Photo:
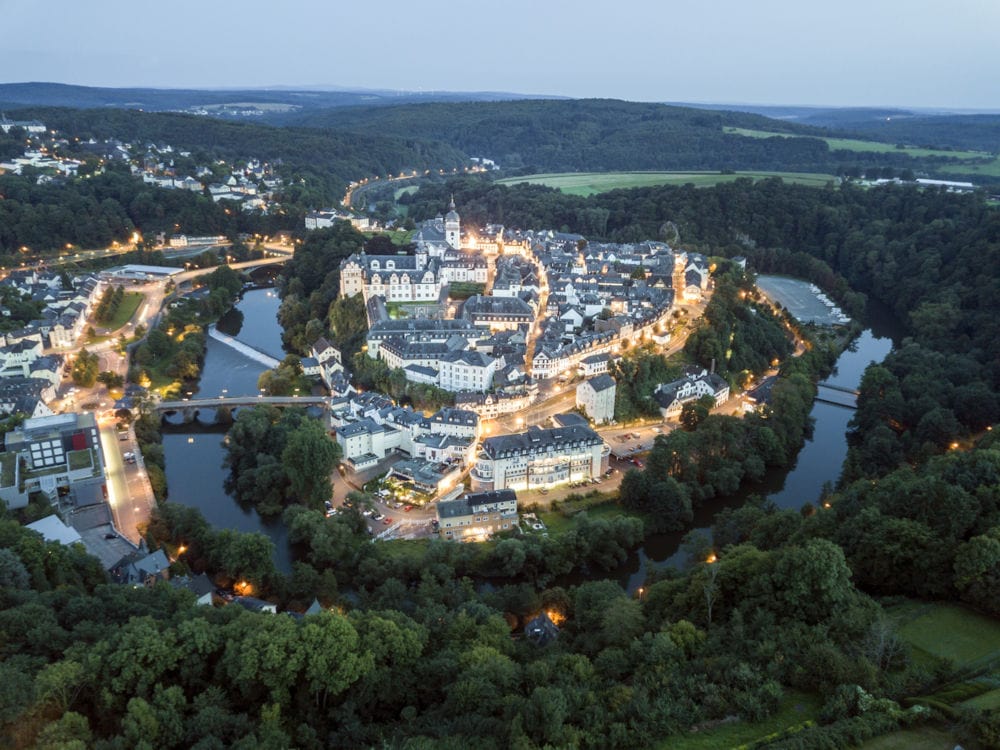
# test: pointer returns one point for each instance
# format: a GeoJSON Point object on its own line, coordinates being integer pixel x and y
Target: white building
{"type": "Point", "coordinates": [597, 398]}
{"type": "Point", "coordinates": [466, 371]}
{"type": "Point", "coordinates": [540, 458]}
{"type": "Point", "coordinates": [672, 396]}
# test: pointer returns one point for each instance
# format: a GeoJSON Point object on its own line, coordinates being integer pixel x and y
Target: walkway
{"type": "Point", "coordinates": [248, 351]}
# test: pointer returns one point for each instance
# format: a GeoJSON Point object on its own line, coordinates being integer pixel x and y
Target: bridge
{"type": "Point", "coordinates": [837, 395]}
{"type": "Point", "coordinates": [190, 407]}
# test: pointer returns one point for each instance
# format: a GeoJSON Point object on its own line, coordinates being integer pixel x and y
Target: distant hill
{"type": "Point", "coordinates": [608, 135]}
{"type": "Point", "coordinates": [326, 160]}
{"type": "Point", "coordinates": [269, 103]}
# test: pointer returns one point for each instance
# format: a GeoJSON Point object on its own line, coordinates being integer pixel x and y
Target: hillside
{"type": "Point", "coordinates": [609, 135]}
{"type": "Point", "coordinates": [269, 102]}
{"type": "Point", "coordinates": [331, 159]}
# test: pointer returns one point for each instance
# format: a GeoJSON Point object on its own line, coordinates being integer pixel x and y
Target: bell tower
{"type": "Point", "coordinates": [453, 226]}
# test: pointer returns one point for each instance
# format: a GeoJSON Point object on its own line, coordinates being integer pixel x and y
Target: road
{"type": "Point", "coordinates": [129, 492]}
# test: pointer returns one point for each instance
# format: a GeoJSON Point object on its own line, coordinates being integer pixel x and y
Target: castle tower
{"type": "Point", "coordinates": [453, 227]}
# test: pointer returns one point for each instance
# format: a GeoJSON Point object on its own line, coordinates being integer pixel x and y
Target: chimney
{"type": "Point", "coordinates": [712, 371]}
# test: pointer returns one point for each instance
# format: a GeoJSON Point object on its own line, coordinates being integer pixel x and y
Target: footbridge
{"type": "Point", "coordinates": [245, 349]}
{"type": "Point", "coordinates": [837, 395]}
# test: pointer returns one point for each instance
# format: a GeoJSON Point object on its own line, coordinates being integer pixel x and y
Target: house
{"type": "Point", "coordinates": [672, 396]}
{"type": "Point", "coordinates": [541, 630]}
{"type": "Point", "coordinates": [477, 516]}
{"type": "Point", "coordinates": [200, 585]}
{"type": "Point", "coordinates": [597, 398]}
{"type": "Point", "coordinates": [140, 569]}
{"type": "Point", "coordinates": [595, 364]}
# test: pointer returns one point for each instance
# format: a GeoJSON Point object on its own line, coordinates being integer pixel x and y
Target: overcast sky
{"type": "Point", "coordinates": [849, 52]}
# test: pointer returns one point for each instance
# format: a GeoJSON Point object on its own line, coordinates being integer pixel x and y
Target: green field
{"type": "Point", "coordinates": [922, 738]}
{"type": "Point", "coordinates": [399, 192]}
{"type": "Point", "coordinates": [987, 169]}
{"type": "Point", "coordinates": [588, 183]}
{"type": "Point", "coordinates": [130, 303]}
{"type": "Point", "coordinates": [796, 707]}
{"type": "Point", "coordinates": [948, 631]}
{"type": "Point", "coordinates": [988, 701]}
{"type": "Point", "coordinates": [852, 144]}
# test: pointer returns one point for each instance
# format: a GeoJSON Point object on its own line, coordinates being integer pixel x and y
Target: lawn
{"type": "Point", "coordinates": [130, 303]}
{"type": "Point", "coordinates": [853, 144]}
{"type": "Point", "coordinates": [588, 183]}
{"type": "Point", "coordinates": [564, 519]}
{"type": "Point", "coordinates": [399, 192]}
{"type": "Point", "coordinates": [947, 631]}
{"type": "Point", "coordinates": [922, 738]}
{"type": "Point", "coordinates": [986, 702]}
{"type": "Point", "coordinates": [796, 707]}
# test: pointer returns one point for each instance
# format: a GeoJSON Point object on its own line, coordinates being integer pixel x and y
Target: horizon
{"type": "Point", "coordinates": [338, 88]}
{"type": "Point", "coordinates": [775, 53]}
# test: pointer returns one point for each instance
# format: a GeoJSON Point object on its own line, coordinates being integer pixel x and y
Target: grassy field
{"type": "Point", "coordinates": [564, 519]}
{"type": "Point", "coordinates": [852, 144]}
{"type": "Point", "coordinates": [989, 701]}
{"type": "Point", "coordinates": [922, 738]}
{"type": "Point", "coordinates": [130, 303]}
{"type": "Point", "coordinates": [947, 631]}
{"type": "Point", "coordinates": [988, 169]}
{"type": "Point", "coordinates": [796, 707]}
{"type": "Point", "coordinates": [404, 191]}
{"type": "Point", "coordinates": [588, 183]}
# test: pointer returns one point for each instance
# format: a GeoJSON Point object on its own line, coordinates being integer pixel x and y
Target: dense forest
{"type": "Point", "coordinates": [608, 135]}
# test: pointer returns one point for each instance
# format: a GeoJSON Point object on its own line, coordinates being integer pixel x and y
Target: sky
{"type": "Point", "coordinates": [846, 53]}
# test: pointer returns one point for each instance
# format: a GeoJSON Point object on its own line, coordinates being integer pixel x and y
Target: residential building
{"type": "Point", "coordinates": [466, 371]}
{"type": "Point", "coordinates": [597, 398]}
{"type": "Point", "coordinates": [477, 516]}
{"type": "Point", "coordinates": [672, 396]}
{"type": "Point", "coordinates": [540, 458]}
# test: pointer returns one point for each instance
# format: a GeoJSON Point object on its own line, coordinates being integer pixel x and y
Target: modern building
{"type": "Point", "coordinates": [597, 398]}
{"type": "Point", "coordinates": [55, 455]}
{"type": "Point", "coordinates": [477, 516]}
{"type": "Point", "coordinates": [540, 458]}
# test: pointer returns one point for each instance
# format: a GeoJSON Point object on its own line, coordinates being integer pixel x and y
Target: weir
{"type": "Point", "coordinates": [247, 351]}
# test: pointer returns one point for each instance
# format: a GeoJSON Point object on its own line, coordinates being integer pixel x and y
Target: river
{"type": "Point", "coordinates": [194, 453]}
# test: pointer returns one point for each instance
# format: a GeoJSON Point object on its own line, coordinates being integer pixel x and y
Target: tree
{"type": "Point", "coordinates": [309, 457]}
{"type": "Point", "coordinates": [85, 369]}
{"type": "Point", "coordinates": [693, 413]}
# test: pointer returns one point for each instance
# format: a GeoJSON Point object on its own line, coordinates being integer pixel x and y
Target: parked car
{"type": "Point", "coordinates": [387, 521]}
{"type": "Point", "coordinates": [407, 508]}
{"type": "Point", "coordinates": [129, 457]}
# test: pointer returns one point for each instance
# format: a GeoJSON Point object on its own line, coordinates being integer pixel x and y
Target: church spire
{"type": "Point", "coordinates": [451, 205]}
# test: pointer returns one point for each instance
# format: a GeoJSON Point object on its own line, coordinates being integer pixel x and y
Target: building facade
{"type": "Point", "coordinates": [540, 458]}
{"type": "Point", "coordinates": [477, 516]}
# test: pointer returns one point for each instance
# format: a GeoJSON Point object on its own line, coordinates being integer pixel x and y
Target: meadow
{"type": "Point", "coordinates": [589, 183]}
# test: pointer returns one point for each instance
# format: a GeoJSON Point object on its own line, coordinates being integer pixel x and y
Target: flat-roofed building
{"type": "Point", "coordinates": [477, 516]}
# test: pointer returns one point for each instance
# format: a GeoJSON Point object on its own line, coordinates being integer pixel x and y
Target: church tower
{"type": "Point", "coordinates": [679, 282]}
{"type": "Point", "coordinates": [453, 227]}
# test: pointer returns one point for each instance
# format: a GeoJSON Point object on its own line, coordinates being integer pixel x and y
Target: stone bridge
{"type": "Point", "coordinates": [189, 407]}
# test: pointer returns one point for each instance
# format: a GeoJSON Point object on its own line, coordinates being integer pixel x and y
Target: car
{"type": "Point", "coordinates": [407, 508]}
{"type": "Point", "coordinates": [544, 490]}
{"type": "Point", "coordinates": [110, 535]}
{"type": "Point", "coordinates": [638, 463]}
{"type": "Point", "coordinates": [376, 516]}
{"type": "Point", "coordinates": [123, 436]}
{"type": "Point", "coordinates": [609, 472]}
{"type": "Point", "coordinates": [328, 505]}
{"type": "Point", "coordinates": [657, 429]}
{"type": "Point", "coordinates": [387, 521]}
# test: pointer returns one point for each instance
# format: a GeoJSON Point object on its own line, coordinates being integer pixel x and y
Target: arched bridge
{"type": "Point", "coordinates": [189, 407]}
